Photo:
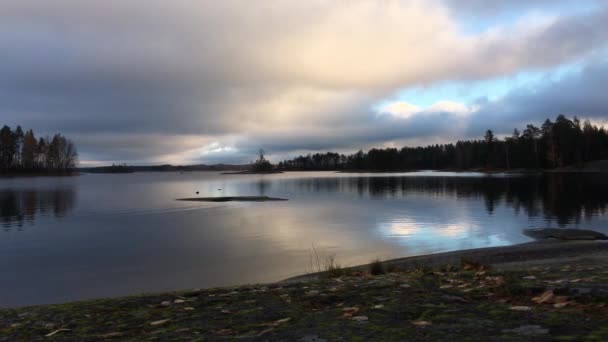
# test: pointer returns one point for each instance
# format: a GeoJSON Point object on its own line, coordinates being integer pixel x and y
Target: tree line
{"type": "Point", "coordinates": [21, 151]}
{"type": "Point", "coordinates": [563, 142]}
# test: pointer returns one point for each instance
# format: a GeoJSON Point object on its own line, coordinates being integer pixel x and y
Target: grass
{"type": "Point", "coordinates": [331, 268]}
{"type": "Point", "coordinates": [328, 266]}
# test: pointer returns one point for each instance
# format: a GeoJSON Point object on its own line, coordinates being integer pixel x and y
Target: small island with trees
{"type": "Point", "coordinates": [114, 168]}
{"type": "Point", "coordinates": [22, 153]}
{"type": "Point", "coordinates": [260, 166]}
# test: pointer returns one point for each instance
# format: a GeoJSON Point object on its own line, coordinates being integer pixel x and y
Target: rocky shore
{"type": "Point", "coordinates": [543, 292]}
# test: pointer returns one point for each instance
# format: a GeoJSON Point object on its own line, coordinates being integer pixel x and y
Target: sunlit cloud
{"type": "Point", "coordinates": [404, 110]}
{"type": "Point", "coordinates": [216, 147]}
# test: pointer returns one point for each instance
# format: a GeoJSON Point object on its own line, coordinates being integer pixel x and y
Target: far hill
{"type": "Point", "coordinates": [163, 168]}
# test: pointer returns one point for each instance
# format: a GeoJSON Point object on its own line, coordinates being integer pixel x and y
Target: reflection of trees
{"type": "Point", "coordinates": [565, 198]}
{"type": "Point", "coordinates": [20, 206]}
{"type": "Point", "coordinates": [262, 185]}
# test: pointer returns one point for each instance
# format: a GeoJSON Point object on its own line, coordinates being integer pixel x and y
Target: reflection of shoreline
{"type": "Point", "coordinates": [564, 198]}
{"type": "Point", "coordinates": [39, 174]}
{"type": "Point", "coordinates": [20, 206]}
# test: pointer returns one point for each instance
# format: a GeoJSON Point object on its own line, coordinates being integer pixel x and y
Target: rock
{"type": "Point", "coordinates": [233, 198]}
{"type": "Point", "coordinates": [564, 234]}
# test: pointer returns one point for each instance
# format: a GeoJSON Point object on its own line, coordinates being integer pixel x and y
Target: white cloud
{"type": "Point", "coordinates": [405, 110]}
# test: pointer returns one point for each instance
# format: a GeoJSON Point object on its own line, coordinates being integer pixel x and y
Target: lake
{"type": "Point", "coordinates": [99, 235]}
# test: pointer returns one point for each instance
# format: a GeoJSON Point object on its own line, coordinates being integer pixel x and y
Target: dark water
{"type": "Point", "coordinates": [92, 236]}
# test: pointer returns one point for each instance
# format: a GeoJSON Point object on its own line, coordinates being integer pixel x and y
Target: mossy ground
{"type": "Point", "coordinates": [455, 304]}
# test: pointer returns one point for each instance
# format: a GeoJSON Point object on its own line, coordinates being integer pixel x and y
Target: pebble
{"type": "Point", "coordinates": [520, 308]}
{"type": "Point", "coordinates": [159, 322]}
{"type": "Point", "coordinates": [528, 330]}
{"type": "Point", "coordinates": [312, 338]}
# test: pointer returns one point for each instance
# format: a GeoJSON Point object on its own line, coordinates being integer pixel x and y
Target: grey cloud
{"type": "Point", "coordinates": [580, 94]}
{"type": "Point", "coordinates": [136, 80]}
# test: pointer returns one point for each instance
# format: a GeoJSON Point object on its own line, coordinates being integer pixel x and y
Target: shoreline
{"type": "Point", "coordinates": [540, 290]}
{"type": "Point", "coordinates": [544, 251]}
{"type": "Point", "coordinates": [534, 252]}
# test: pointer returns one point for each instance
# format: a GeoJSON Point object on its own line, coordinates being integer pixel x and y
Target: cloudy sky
{"type": "Point", "coordinates": [192, 81]}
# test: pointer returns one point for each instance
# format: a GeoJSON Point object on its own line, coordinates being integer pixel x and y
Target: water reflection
{"type": "Point", "coordinates": [18, 207]}
{"type": "Point", "coordinates": [263, 185]}
{"type": "Point", "coordinates": [560, 198]}
{"type": "Point", "coordinates": [126, 234]}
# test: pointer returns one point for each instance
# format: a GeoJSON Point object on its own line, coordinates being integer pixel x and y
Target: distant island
{"type": "Point", "coordinates": [22, 153]}
{"type": "Point", "coordinates": [124, 168]}
{"type": "Point", "coordinates": [260, 166]}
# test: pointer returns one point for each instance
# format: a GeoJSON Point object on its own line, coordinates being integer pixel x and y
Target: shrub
{"type": "Point", "coordinates": [376, 267]}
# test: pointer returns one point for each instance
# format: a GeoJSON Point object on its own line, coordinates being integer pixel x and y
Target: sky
{"type": "Point", "coordinates": [196, 81]}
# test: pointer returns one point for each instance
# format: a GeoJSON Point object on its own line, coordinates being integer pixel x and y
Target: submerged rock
{"type": "Point", "coordinates": [233, 199]}
{"type": "Point", "coordinates": [564, 234]}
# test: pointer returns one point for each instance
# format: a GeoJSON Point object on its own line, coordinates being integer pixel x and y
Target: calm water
{"type": "Point", "coordinates": [92, 236]}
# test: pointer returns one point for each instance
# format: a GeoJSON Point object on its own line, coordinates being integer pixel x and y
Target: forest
{"type": "Point", "coordinates": [563, 142]}
{"type": "Point", "coordinates": [22, 152]}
